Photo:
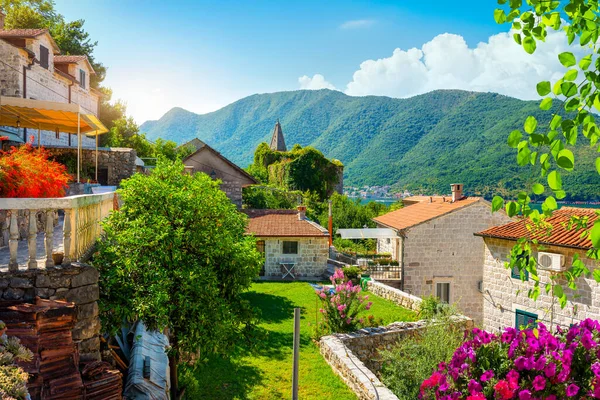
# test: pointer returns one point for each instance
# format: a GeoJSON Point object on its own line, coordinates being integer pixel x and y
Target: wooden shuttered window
{"type": "Point", "coordinates": [82, 78]}
{"type": "Point", "coordinates": [44, 56]}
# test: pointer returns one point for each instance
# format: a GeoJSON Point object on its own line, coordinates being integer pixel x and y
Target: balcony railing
{"type": "Point", "coordinates": [71, 225]}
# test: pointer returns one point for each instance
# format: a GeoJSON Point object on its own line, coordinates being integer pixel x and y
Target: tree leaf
{"type": "Point", "coordinates": [568, 89]}
{"type": "Point", "coordinates": [571, 75]}
{"type": "Point", "coordinates": [530, 124]}
{"type": "Point", "coordinates": [595, 235]}
{"type": "Point", "coordinates": [529, 44]}
{"type": "Point", "coordinates": [554, 180]}
{"type": "Point", "coordinates": [514, 138]}
{"type": "Point", "coordinates": [538, 188]}
{"type": "Point", "coordinates": [598, 164]}
{"type": "Point", "coordinates": [550, 203]}
{"type": "Point", "coordinates": [499, 16]}
{"type": "Point", "coordinates": [567, 59]}
{"type": "Point", "coordinates": [596, 275]}
{"type": "Point", "coordinates": [543, 88]}
{"type": "Point", "coordinates": [546, 104]}
{"type": "Point", "coordinates": [585, 62]}
{"type": "Point", "coordinates": [565, 159]}
{"type": "Point", "coordinates": [524, 156]}
{"type": "Point", "coordinates": [558, 291]}
{"type": "Point", "coordinates": [511, 208]}
{"type": "Point", "coordinates": [497, 203]}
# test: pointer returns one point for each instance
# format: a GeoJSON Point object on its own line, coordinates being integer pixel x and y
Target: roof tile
{"type": "Point", "coordinates": [558, 236]}
{"type": "Point", "coordinates": [281, 223]}
{"type": "Point", "coordinates": [423, 211]}
{"type": "Point", "coordinates": [21, 33]}
{"type": "Point", "coordinates": [68, 59]}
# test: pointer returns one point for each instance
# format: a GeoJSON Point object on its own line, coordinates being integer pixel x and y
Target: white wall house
{"type": "Point", "coordinates": [436, 249]}
{"type": "Point", "coordinates": [506, 302]}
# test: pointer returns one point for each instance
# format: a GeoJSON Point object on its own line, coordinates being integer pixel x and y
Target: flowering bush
{"type": "Point", "coordinates": [341, 306]}
{"type": "Point", "coordinates": [27, 172]}
{"type": "Point", "coordinates": [526, 365]}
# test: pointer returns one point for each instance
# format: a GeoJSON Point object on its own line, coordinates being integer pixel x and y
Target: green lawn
{"type": "Point", "coordinates": [266, 372]}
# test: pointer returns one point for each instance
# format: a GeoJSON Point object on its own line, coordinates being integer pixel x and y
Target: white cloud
{"type": "Point", "coordinates": [315, 83]}
{"type": "Point", "coordinates": [446, 62]}
{"type": "Point", "coordinates": [357, 23]}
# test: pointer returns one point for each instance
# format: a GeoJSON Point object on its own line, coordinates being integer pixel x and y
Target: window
{"type": "Point", "coordinates": [260, 246]}
{"type": "Point", "coordinates": [442, 291]}
{"type": "Point", "coordinates": [524, 319]}
{"type": "Point", "coordinates": [514, 273]}
{"type": "Point", "coordinates": [82, 78]}
{"type": "Point", "coordinates": [290, 247]}
{"type": "Point", "coordinates": [43, 57]}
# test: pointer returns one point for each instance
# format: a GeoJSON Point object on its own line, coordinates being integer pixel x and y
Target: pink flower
{"type": "Point", "coordinates": [539, 383]}
{"type": "Point", "coordinates": [487, 375]}
{"type": "Point", "coordinates": [341, 307]}
{"type": "Point", "coordinates": [368, 306]}
{"type": "Point", "coordinates": [572, 390]}
{"type": "Point", "coordinates": [349, 321]}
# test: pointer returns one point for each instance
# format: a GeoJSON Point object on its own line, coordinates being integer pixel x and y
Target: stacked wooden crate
{"type": "Point", "coordinates": [101, 382]}
{"type": "Point", "coordinates": [45, 328]}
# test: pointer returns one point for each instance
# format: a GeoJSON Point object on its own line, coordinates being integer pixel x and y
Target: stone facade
{"type": "Point", "coordinates": [212, 163]}
{"type": "Point", "coordinates": [311, 260]}
{"type": "Point", "coordinates": [45, 84]}
{"type": "Point", "coordinates": [444, 250]}
{"type": "Point", "coordinates": [504, 295]}
{"type": "Point", "coordinates": [77, 283]}
{"type": "Point", "coordinates": [114, 164]}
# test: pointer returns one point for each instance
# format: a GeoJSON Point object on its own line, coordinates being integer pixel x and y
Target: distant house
{"type": "Point", "coordinates": [293, 246]}
{"type": "Point", "coordinates": [32, 67]}
{"type": "Point", "coordinates": [505, 296]}
{"type": "Point", "coordinates": [436, 249]}
{"type": "Point", "coordinates": [214, 164]}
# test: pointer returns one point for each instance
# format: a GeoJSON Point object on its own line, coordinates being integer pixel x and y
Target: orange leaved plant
{"type": "Point", "coordinates": [27, 172]}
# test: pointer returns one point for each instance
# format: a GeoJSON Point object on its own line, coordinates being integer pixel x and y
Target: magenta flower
{"type": "Point", "coordinates": [539, 383]}
{"type": "Point", "coordinates": [572, 390]}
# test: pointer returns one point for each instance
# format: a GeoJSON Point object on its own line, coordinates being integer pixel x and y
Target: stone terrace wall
{"type": "Point", "coordinates": [77, 283]}
{"type": "Point", "coordinates": [395, 295]}
{"type": "Point", "coordinates": [355, 356]}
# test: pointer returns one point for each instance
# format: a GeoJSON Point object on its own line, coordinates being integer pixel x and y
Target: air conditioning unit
{"type": "Point", "coordinates": [551, 261]}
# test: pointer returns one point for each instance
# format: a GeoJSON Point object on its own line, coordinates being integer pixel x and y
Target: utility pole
{"type": "Point", "coordinates": [330, 224]}
{"type": "Point", "coordinates": [296, 353]}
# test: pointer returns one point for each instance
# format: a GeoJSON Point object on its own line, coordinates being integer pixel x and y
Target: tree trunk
{"type": "Point", "coordinates": [174, 380]}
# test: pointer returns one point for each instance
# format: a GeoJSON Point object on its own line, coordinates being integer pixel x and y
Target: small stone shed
{"type": "Point", "coordinates": [214, 164]}
{"type": "Point", "coordinates": [505, 295]}
{"type": "Point", "coordinates": [288, 237]}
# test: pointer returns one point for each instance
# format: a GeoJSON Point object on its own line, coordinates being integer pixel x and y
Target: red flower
{"type": "Point", "coordinates": [503, 389]}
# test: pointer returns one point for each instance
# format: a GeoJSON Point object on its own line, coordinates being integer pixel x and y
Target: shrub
{"type": "Point", "coordinates": [414, 358]}
{"type": "Point", "coordinates": [526, 364]}
{"type": "Point", "coordinates": [341, 306]}
{"type": "Point", "coordinates": [432, 307]}
{"type": "Point", "coordinates": [13, 380]}
{"type": "Point", "coordinates": [352, 273]}
{"type": "Point", "coordinates": [26, 171]}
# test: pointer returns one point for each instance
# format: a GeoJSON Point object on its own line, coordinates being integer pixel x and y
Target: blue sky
{"type": "Point", "coordinates": [202, 55]}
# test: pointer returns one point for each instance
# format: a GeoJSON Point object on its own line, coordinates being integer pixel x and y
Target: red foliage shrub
{"type": "Point", "coordinates": [27, 172]}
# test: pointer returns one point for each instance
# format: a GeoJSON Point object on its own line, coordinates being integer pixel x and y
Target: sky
{"type": "Point", "coordinates": [203, 55]}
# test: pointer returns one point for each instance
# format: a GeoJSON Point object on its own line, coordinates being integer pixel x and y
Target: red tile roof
{"type": "Point", "coordinates": [21, 33]}
{"type": "Point", "coordinates": [420, 212]}
{"type": "Point", "coordinates": [68, 59]}
{"type": "Point", "coordinates": [558, 236]}
{"type": "Point", "coordinates": [281, 223]}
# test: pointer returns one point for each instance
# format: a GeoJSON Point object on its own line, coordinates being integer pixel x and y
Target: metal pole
{"type": "Point", "coordinates": [330, 224]}
{"type": "Point", "coordinates": [296, 353]}
{"type": "Point", "coordinates": [78, 144]}
{"type": "Point", "coordinates": [96, 156]}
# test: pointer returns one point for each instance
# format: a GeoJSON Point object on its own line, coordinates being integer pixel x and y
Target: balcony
{"type": "Point", "coordinates": [68, 225]}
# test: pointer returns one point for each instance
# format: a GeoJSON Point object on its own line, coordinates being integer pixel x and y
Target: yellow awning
{"type": "Point", "coordinates": [48, 116]}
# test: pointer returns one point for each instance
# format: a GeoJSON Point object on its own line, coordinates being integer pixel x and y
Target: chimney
{"type": "Point", "coordinates": [2, 17]}
{"type": "Point", "coordinates": [301, 212]}
{"type": "Point", "coordinates": [457, 191]}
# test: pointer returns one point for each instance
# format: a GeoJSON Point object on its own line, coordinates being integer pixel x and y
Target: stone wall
{"type": "Point", "coordinates": [445, 250]}
{"type": "Point", "coordinates": [503, 295]}
{"type": "Point", "coordinates": [77, 283]}
{"type": "Point", "coordinates": [355, 356]}
{"type": "Point", "coordinates": [397, 296]}
{"type": "Point", "coordinates": [118, 163]}
{"type": "Point", "coordinates": [311, 260]}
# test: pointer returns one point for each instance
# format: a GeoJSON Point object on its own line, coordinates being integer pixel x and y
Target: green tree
{"type": "Point", "coordinates": [573, 100]}
{"type": "Point", "coordinates": [176, 256]}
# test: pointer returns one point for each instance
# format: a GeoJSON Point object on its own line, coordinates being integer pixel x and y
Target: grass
{"type": "Point", "coordinates": [266, 372]}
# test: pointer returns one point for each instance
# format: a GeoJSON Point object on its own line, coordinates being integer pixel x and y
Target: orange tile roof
{"type": "Point", "coordinates": [21, 33]}
{"type": "Point", "coordinates": [68, 59]}
{"type": "Point", "coordinates": [418, 213]}
{"type": "Point", "coordinates": [558, 236]}
{"type": "Point", "coordinates": [281, 223]}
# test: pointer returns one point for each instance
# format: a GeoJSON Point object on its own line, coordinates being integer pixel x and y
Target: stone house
{"type": "Point", "coordinates": [214, 164]}
{"type": "Point", "coordinates": [436, 249]}
{"type": "Point", "coordinates": [288, 237]}
{"type": "Point", "coordinates": [506, 302]}
{"type": "Point", "coordinates": [32, 67]}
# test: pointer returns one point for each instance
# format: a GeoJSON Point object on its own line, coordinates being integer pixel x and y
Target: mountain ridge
{"type": "Point", "coordinates": [422, 143]}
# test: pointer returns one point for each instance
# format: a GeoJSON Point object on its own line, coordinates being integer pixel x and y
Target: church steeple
{"type": "Point", "coordinates": [277, 141]}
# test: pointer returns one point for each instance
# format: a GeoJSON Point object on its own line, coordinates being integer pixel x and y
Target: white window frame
{"type": "Point", "coordinates": [443, 282]}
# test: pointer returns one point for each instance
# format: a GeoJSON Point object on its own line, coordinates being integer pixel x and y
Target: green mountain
{"type": "Point", "coordinates": [422, 143]}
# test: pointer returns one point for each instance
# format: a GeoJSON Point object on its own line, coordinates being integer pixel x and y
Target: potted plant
{"type": "Point", "coordinates": [57, 257]}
